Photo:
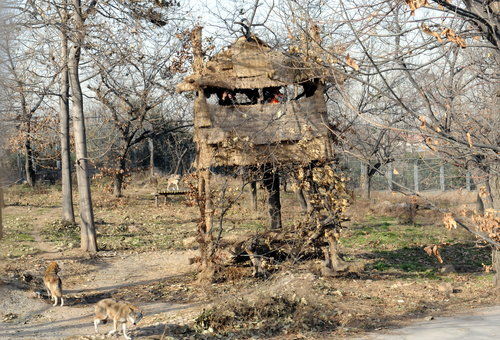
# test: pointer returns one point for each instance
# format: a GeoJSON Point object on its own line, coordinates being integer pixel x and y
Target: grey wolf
{"type": "Point", "coordinates": [119, 312]}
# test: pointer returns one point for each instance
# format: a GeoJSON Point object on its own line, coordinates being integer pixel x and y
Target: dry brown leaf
{"type": "Point", "coordinates": [351, 63]}
{"type": "Point", "coordinates": [415, 4]}
{"type": "Point", "coordinates": [429, 141]}
{"type": "Point", "coordinates": [469, 139]}
{"type": "Point", "coordinates": [433, 250]}
{"type": "Point", "coordinates": [483, 193]}
{"type": "Point", "coordinates": [423, 122]}
{"type": "Point", "coordinates": [449, 222]}
{"type": "Point", "coordinates": [452, 36]}
{"type": "Point", "coordinates": [487, 268]}
{"type": "Point", "coordinates": [428, 31]}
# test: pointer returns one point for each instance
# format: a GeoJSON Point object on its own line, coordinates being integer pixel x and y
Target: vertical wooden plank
{"type": "Point", "coordinates": [208, 202]}
{"type": "Point", "coordinates": [196, 39]}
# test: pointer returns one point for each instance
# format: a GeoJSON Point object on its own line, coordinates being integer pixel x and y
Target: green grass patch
{"type": "Point", "coordinates": [18, 240]}
{"type": "Point", "coordinates": [385, 233]}
{"type": "Point", "coordinates": [62, 233]}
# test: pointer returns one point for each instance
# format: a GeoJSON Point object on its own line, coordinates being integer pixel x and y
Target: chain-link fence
{"type": "Point", "coordinates": [420, 174]}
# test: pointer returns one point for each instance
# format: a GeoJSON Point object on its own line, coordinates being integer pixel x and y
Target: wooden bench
{"type": "Point", "coordinates": [157, 195]}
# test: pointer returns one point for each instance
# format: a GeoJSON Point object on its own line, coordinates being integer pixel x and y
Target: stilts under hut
{"type": "Point", "coordinates": [255, 108]}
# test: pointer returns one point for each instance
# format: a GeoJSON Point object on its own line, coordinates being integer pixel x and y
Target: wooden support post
{"type": "Point", "coordinates": [209, 213]}
{"type": "Point", "coordinates": [442, 183]}
{"type": "Point", "coordinates": [415, 176]}
{"type": "Point", "coordinates": [253, 187]}
{"type": "Point", "coordinates": [201, 115]}
{"type": "Point", "coordinates": [304, 203]}
{"type": "Point", "coordinates": [271, 182]}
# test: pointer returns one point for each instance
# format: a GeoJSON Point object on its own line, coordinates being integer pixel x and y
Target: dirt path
{"type": "Point", "coordinates": [35, 318]}
{"type": "Point", "coordinates": [86, 280]}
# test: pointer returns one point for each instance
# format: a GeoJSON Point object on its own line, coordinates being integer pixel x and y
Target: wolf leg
{"type": "Point", "coordinates": [55, 303]}
{"type": "Point", "coordinates": [62, 301]}
{"type": "Point", "coordinates": [124, 327]}
{"type": "Point", "coordinates": [96, 322]}
{"type": "Point", "coordinates": [114, 328]}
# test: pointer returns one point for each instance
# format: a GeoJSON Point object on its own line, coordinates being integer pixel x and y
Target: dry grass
{"type": "Point", "coordinates": [395, 279]}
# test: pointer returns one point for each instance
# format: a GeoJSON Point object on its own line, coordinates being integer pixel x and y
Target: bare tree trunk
{"type": "Point", "coordinates": [488, 199]}
{"type": "Point", "coordinates": [117, 185]}
{"type": "Point", "coordinates": [207, 251]}
{"type": "Point", "coordinates": [365, 181]}
{"type": "Point", "coordinates": [495, 255]}
{"type": "Point", "coordinates": [151, 148]}
{"type": "Point", "coordinates": [88, 240]}
{"type": "Point", "coordinates": [28, 162]}
{"type": "Point", "coordinates": [389, 176]}
{"type": "Point", "coordinates": [271, 181]}
{"type": "Point", "coordinates": [332, 263]}
{"type": "Point", "coordinates": [118, 180]}
{"type": "Point", "coordinates": [1, 208]}
{"type": "Point", "coordinates": [253, 186]}
{"type": "Point", "coordinates": [67, 194]}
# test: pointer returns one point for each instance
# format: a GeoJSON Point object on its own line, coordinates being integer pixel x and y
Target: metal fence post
{"type": "Point", "coordinates": [441, 178]}
{"type": "Point", "coordinates": [415, 176]}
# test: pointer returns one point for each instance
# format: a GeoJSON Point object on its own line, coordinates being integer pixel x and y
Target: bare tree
{"type": "Point", "coordinates": [133, 85]}
{"type": "Point", "coordinates": [64, 119]}
{"type": "Point", "coordinates": [88, 240]}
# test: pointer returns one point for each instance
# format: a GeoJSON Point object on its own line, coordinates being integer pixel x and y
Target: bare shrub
{"type": "Point", "coordinates": [267, 314]}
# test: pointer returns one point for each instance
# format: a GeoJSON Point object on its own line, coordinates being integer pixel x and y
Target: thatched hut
{"type": "Point", "coordinates": [255, 106]}
{"type": "Point", "coordinates": [261, 110]}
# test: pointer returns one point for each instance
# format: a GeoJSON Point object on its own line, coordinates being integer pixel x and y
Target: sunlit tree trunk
{"type": "Point", "coordinates": [88, 240]}
{"type": "Point", "coordinates": [119, 176]}
{"type": "Point", "coordinates": [67, 195]}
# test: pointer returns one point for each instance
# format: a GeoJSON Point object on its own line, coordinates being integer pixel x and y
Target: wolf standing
{"type": "Point", "coordinates": [119, 312]}
{"type": "Point", "coordinates": [53, 282]}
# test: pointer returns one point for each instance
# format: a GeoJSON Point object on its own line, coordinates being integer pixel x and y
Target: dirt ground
{"type": "Point", "coordinates": [146, 260]}
{"type": "Point", "coordinates": [87, 280]}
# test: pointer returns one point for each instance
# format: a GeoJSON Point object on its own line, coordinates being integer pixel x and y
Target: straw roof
{"type": "Point", "coordinates": [247, 64]}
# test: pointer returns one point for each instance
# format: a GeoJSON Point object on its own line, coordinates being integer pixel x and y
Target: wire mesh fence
{"type": "Point", "coordinates": [420, 174]}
